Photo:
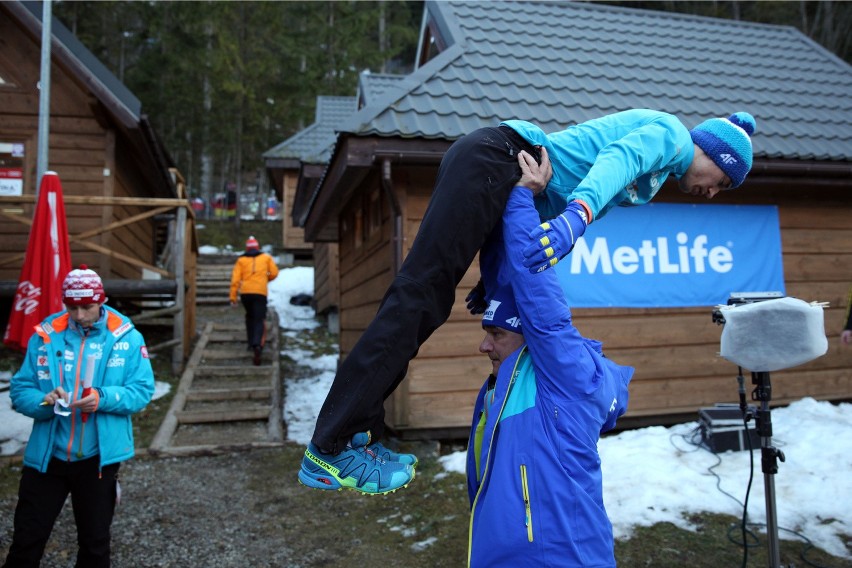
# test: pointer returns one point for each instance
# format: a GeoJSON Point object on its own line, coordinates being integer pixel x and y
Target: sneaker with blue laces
{"type": "Point", "coordinates": [389, 455]}
{"type": "Point", "coordinates": [357, 467]}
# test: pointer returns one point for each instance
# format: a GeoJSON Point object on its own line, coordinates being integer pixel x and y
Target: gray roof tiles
{"type": "Point", "coordinates": [558, 63]}
{"type": "Point", "coordinates": [314, 143]}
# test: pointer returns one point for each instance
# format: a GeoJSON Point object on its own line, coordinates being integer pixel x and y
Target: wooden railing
{"type": "Point", "coordinates": [176, 267]}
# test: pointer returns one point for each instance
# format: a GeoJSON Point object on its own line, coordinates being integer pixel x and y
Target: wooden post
{"type": "Point", "coordinates": [178, 254]}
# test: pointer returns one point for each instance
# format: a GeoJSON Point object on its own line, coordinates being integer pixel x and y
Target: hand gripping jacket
{"type": "Point", "coordinates": [535, 485]}
{"type": "Point", "coordinates": [123, 375]}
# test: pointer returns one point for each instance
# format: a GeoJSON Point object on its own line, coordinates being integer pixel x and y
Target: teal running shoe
{"type": "Point", "coordinates": [389, 455]}
{"type": "Point", "coordinates": [357, 467]}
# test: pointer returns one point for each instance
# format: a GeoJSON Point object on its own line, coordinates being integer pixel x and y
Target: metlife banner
{"type": "Point", "coordinates": [670, 255]}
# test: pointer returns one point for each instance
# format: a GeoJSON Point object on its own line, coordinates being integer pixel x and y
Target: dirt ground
{"type": "Point", "coordinates": [247, 509]}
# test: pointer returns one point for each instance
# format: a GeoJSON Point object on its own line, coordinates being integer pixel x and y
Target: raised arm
{"type": "Point", "coordinates": [558, 350]}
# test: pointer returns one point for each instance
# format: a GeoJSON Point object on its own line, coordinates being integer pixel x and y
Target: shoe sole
{"type": "Point", "coordinates": [331, 482]}
{"type": "Point", "coordinates": [310, 483]}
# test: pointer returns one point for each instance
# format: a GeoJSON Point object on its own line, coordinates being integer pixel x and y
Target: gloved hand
{"type": "Point", "coordinates": [476, 303]}
{"type": "Point", "coordinates": [555, 238]}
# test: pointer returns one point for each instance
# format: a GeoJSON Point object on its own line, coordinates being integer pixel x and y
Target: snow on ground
{"type": "Point", "coordinates": [651, 475]}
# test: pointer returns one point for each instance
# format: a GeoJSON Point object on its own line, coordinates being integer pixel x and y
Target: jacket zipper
{"type": "Point", "coordinates": [527, 507]}
{"type": "Point", "coordinates": [488, 458]}
{"type": "Point", "coordinates": [75, 396]}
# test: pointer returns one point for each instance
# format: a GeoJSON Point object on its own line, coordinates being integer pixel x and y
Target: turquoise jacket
{"type": "Point", "coordinates": [533, 470]}
{"type": "Point", "coordinates": [619, 159]}
{"type": "Point", "coordinates": [56, 355]}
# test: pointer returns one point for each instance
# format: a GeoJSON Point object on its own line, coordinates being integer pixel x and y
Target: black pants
{"type": "Point", "coordinates": [255, 305]}
{"type": "Point", "coordinates": [40, 500]}
{"type": "Point", "coordinates": [472, 188]}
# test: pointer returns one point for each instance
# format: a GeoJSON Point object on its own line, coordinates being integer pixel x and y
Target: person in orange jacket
{"type": "Point", "coordinates": [251, 276]}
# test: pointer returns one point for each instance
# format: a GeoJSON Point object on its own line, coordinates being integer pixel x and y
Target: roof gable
{"type": "Point", "coordinates": [106, 86]}
{"type": "Point", "coordinates": [586, 60]}
{"type": "Point", "coordinates": [122, 107]}
{"type": "Point", "coordinates": [314, 143]}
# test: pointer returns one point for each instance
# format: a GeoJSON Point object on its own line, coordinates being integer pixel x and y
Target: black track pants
{"type": "Point", "coordinates": [473, 185]}
{"type": "Point", "coordinates": [40, 500]}
{"type": "Point", "coordinates": [255, 305]}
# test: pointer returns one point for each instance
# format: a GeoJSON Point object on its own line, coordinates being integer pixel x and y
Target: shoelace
{"type": "Point", "coordinates": [375, 456]}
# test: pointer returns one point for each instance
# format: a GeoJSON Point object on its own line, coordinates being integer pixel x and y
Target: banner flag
{"type": "Point", "coordinates": [665, 255]}
{"type": "Point", "coordinates": [47, 262]}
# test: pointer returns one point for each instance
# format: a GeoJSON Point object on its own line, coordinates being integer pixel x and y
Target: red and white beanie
{"type": "Point", "coordinates": [252, 244]}
{"type": "Point", "coordinates": [83, 286]}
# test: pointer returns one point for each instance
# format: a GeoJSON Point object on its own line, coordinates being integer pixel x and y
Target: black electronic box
{"type": "Point", "coordinates": [722, 429]}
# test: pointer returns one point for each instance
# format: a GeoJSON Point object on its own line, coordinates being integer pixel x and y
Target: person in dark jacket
{"type": "Point", "coordinates": [622, 159]}
{"type": "Point", "coordinates": [86, 371]}
{"type": "Point", "coordinates": [533, 469]}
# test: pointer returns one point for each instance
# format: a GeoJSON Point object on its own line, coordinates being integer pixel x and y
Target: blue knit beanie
{"type": "Point", "coordinates": [502, 311]}
{"type": "Point", "coordinates": [727, 142]}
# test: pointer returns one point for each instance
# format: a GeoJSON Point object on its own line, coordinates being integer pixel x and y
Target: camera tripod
{"type": "Point", "coordinates": [769, 456]}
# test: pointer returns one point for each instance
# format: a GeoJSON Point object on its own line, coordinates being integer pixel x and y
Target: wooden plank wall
{"type": "Point", "coordinates": [326, 276]}
{"type": "Point", "coordinates": [674, 351]}
{"type": "Point", "coordinates": [82, 152]}
{"type": "Point", "coordinates": [294, 236]}
{"type": "Point", "coordinates": [365, 263]}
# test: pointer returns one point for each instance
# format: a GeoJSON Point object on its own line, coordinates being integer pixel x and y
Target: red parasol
{"type": "Point", "coordinates": [47, 262]}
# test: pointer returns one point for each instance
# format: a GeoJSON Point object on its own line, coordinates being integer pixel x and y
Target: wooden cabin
{"type": "Point", "coordinates": [127, 211]}
{"type": "Point", "coordinates": [285, 160]}
{"type": "Point", "coordinates": [477, 66]}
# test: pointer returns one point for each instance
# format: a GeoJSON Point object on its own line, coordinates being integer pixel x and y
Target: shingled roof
{"type": "Point", "coordinates": [559, 63]}
{"type": "Point", "coordinates": [314, 143]}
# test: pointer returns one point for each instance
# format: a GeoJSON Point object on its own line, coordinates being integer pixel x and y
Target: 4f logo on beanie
{"type": "Point", "coordinates": [728, 159]}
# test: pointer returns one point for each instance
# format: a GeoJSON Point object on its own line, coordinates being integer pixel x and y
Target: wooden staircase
{"type": "Point", "coordinates": [213, 279]}
{"type": "Point", "coordinates": [224, 402]}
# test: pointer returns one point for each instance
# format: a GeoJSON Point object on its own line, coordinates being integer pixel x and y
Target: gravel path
{"type": "Point", "coordinates": [246, 509]}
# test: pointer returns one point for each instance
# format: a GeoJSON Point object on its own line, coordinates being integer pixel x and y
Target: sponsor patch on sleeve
{"type": "Point", "coordinates": [144, 351]}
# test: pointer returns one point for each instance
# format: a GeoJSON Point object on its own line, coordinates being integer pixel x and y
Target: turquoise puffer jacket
{"type": "Point", "coordinates": [123, 375]}
{"type": "Point", "coordinates": [619, 159]}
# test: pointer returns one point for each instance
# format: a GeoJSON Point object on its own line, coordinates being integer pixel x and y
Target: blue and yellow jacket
{"type": "Point", "coordinates": [533, 469]}
{"type": "Point", "coordinates": [56, 355]}
{"type": "Point", "coordinates": [619, 159]}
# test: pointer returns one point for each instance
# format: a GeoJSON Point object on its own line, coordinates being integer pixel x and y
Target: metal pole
{"type": "Point", "coordinates": [769, 456]}
{"type": "Point", "coordinates": [772, 521]}
{"type": "Point", "coordinates": [44, 95]}
{"type": "Point", "coordinates": [179, 256]}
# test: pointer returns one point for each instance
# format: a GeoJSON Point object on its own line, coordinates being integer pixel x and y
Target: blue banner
{"type": "Point", "coordinates": [665, 255]}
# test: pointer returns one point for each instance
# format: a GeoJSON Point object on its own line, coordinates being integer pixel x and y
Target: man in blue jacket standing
{"type": "Point", "coordinates": [86, 371]}
{"type": "Point", "coordinates": [533, 469]}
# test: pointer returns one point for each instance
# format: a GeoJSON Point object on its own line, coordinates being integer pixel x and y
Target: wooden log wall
{"type": "Point", "coordinates": [85, 151]}
{"type": "Point", "coordinates": [326, 276]}
{"type": "Point", "coordinates": [293, 235]}
{"type": "Point", "coordinates": [674, 351]}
